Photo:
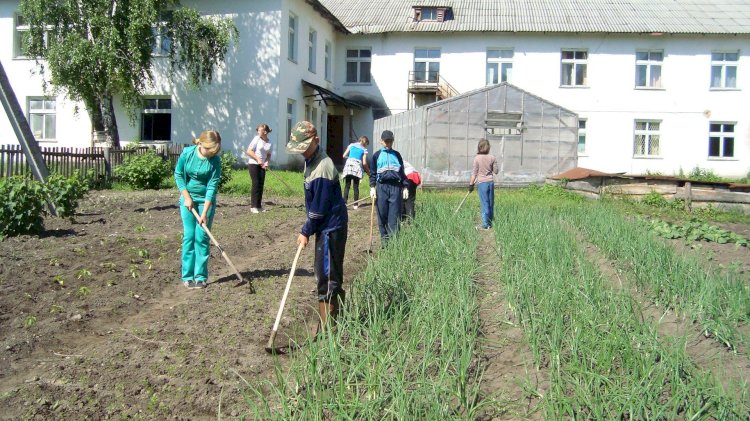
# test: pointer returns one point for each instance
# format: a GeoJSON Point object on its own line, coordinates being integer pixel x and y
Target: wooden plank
{"type": "Point", "coordinates": [705, 195]}
{"type": "Point", "coordinates": [640, 189]}
{"type": "Point", "coordinates": [582, 185]}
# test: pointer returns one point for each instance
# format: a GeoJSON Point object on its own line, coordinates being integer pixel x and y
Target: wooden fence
{"type": "Point", "coordinates": [64, 161]}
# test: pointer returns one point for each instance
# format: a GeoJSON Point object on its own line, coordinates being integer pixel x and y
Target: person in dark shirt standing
{"type": "Point", "coordinates": [326, 218]}
{"type": "Point", "coordinates": [388, 186]}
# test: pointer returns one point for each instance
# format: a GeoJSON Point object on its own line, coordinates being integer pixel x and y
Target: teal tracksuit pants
{"type": "Point", "coordinates": [196, 245]}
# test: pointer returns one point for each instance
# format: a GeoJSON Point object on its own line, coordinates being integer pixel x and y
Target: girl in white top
{"type": "Point", "coordinates": [259, 156]}
{"type": "Point", "coordinates": [356, 159]}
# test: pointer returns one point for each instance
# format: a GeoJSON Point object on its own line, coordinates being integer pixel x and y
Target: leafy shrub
{"type": "Point", "coordinates": [143, 171]}
{"type": "Point", "coordinates": [699, 174]}
{"type": "Point", "coordinates": [655, 199]}
{"type": "Point", "coordinates": [65, 192]}
{"type": "Point", "coordinates": [227, 163]}
{"type": "Point", "coordinates": [22, 206]}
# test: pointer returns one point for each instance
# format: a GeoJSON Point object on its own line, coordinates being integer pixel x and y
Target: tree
{"type": "Point", "coordinates": [96, 50]}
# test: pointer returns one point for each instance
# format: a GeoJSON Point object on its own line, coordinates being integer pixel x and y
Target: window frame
{"type": "Point", "coordinates": [328, 61]}
{"type": "Point", "coordinates": [574, 64]}
{"type": "Point", "coordinates": [291, 115]}
{"type": "Point", "coordinates": [292, 44]}
{"type": "Point", "coordinates": [154, 111]}
{"type": "Point", "coordinates": [359, 62]}
{"type": "Point", "coordinates": [312, 50]}
{"type": "Point", "coordinates": [44, 113]}
{"type": "Point", "coordinates": [722, 136]}
{"type": "Point", "coordinates": [648, 140]}
{"type": "Point", "coordinates": [649, 64]}
{"type": "Point", "coordinates": [500, 61]}
{"type": "Point", "coordinates": [428, 61]}
{"type": "Point", "coordinates": [582, 135]}
{"type": "Point", "coordinates": [160, 47]}
{"type": "Point", "coordinates": [724, 64]}
{"type": "Point", "coordinates": [18, 30]}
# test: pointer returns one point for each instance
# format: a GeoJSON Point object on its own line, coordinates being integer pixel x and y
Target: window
{"type": "Point", "coordinates": [499, 66]}
{"type": "Point", "coordinates": [22, 36]}
{"type": "Point", "coordinates": [307, 113]}
{"type": "Point", "coordinates": [290, 117]}
{"type": "Point", "coordinates": [314, 117]}
{"type": "Point", "coordinates": [581, 135]}
{"type": "Point", "coordinates": [156, 120]}
{"type": "Point", "coordinates": [648, 68]}
{"type": "Point", "coordinates": [312, 50]}
{"type": "Point", "coordinates": [161, 42]}
{"type": "Point", "coordinates": [358, 65]}
{"type": "Point", "coordinates": [724, 70]}
{"type": "Point", "coordinates": [646, 138]}
{"type": "Point", "coordinates": [434, 14]}
{"type": "Point", "coordinates": [573, 71]}
{"type": "Point", "coordinates": [721, 140]}
{"type": "Point", "coordinates": [426, 65]}
{"type": "Point", "coordinates": [43, 118]}
{"type": "Point", "coordinates": [328, 60]}
{"type": "Point", "coordinates": [292, 38]}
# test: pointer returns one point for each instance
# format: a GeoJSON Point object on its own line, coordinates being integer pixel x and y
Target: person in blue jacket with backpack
{"type": "Point", "coordinates": [388, 186]}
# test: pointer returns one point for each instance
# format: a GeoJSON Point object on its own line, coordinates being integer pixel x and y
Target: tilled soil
{"type": "Point", "coordinates": [95, 324]}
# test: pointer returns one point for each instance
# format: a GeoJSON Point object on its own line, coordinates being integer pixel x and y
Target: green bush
{"type": "Point", "coordinates": [699, 174]}
{"type": "Point", "coordinates": [22, 206]}
{"type": "Point", "coordinates": [65, 192]}
{"type": "Point", "coordinates": [227, 163]}
{"type": "Point", "coordinates": [143, 172]}
{"type": "Point", "coordinates": [655, 199]}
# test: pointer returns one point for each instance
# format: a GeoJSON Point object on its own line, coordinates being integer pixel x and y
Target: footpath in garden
{"type": "Point", "coordinates": [510, 375]}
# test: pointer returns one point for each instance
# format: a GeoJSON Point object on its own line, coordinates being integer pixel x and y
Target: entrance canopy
{"type": "Point", "coordinates": [328, 96]}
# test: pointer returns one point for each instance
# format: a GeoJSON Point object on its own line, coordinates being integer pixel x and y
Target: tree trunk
{"type": "Point", "coordinates": [109, 121]}
{"type": "Point", "coordinates": [93, 107]}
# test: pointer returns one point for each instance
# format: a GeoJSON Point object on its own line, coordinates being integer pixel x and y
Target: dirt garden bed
{"type": "Point", "coordinates": [95, 324]}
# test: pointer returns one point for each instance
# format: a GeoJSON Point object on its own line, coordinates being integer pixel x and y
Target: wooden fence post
{"type": "Point", "coordinates": [107, 163]}
{"type": "Point", "coordinates": [689, 196]}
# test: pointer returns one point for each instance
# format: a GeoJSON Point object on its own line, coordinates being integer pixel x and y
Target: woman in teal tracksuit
{"type": "Point", "coordinates": [197, 177]}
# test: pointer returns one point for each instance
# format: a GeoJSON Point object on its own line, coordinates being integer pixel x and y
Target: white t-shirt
{"type": "Point", "coordinates": [261, 149]}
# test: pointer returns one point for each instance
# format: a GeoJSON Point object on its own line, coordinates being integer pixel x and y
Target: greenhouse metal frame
{"type": "Point", "coordinates": [531, 138]}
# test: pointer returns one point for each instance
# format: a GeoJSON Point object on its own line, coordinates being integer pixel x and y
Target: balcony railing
{"type": "Point", "coordinates": [430, 82]}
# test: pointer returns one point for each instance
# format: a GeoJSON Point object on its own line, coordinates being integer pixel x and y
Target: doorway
{"type": "Point", "coordinates": [335, 133]}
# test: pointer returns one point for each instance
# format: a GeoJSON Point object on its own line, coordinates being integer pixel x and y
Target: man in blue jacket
{"type": "Point", "coordinates": [326, 218]}
{"type": "Point", "coordinates": [388, 186]}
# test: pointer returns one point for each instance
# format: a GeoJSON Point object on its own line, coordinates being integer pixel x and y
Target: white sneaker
{"type": "Point", "coordinates": [355, 207]}
{"type": "Point", "coordinates": [254, 210]}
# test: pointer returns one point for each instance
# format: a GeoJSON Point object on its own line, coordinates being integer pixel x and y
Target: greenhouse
{"type": "Point", "coordinates": [532, 138]}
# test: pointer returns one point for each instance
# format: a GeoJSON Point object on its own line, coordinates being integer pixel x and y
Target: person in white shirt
{"type": "Point", "coordinates": [259, 156]}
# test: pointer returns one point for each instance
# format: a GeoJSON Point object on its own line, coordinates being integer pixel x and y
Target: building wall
{"type": "Point", "coordinates": [251, 87]}
{"type": "Point", "coordinates": [610, 102]}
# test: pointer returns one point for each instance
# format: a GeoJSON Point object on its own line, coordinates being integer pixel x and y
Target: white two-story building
{"type": "Point", "coordinates": [658, 85]}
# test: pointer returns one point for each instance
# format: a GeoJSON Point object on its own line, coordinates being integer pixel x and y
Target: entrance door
{"type": "Point", "coordinates": [334, 146]}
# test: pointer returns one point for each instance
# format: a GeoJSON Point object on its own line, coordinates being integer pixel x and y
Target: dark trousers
{"type": "Point", "coordinates": [258, 177]}
{"type": "Point", "coordinates": [329, 263]}
{"type": "Point", "coordinates": [388, 200]}
{"type": "Point", "coordinates": [348, 182]}
{"type": "Point", "coordinates": [407, 206]}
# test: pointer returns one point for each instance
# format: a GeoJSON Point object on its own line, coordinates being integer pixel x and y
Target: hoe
{"type": "Point", "coordinates": [223, 253]}
{"type": "Point", "coordinates": [270, 346]}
